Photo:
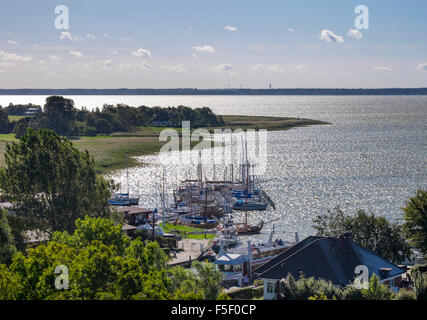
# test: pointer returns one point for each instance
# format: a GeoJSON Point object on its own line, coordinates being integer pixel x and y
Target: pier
{"type": "Point", "coordinates": [189, 250]}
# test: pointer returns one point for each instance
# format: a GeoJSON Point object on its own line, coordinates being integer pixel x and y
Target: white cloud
{"type": "Point", "coordinates": [268, 68]}
{"type": "Point", "coordinates": [7, 64]}
{"type": "Point", "coordinates": [175, 68]}
{"type": "Point", "coordinates": [108, 63]}
{"type": "Point", "coordinates": [355, 34]}
{"type": "Point", "coordinates": [77, 54]}
{"type": "Point", "coordinates": [205, 48]}
{"type": "Point", "coordinates": [258, 67]}
{"type": "Point", "coordinates": [90, 36]}
{"type": "Point", "coordinates": [13, 56]}
{"type": "Point", "coordinates": [67, 35]}
{"type": "Point", "coordinates": [142, 53]}
{"type": "Point", "coordinates": [126, 67]}
{"type": "Point", "coordinates": [422, 66]}
{"type": "Point", "coordinates": [231, 29]}
{"type": "Point", "coordinates": [382, 69]}
{"type": "Point", "coordinates": [145, 66]}
{"type": "Point", "coordinates": [280, 68]}
{"type": "Point", "coordinates": [300, 67]}
{"type": "Point", "coordinates": [329, 36]}
{"type": "Point", "coordinates": [54, 57]}
{"type": "Point", "coordinates": [290, 30]}
{"type": "Point", "coordinates": [13, 42]}
{"type": "Point", "coordinates": [224, 68]}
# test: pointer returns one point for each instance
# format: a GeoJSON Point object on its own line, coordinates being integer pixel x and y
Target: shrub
{"type": "Point", "coordinates": [405, 294]}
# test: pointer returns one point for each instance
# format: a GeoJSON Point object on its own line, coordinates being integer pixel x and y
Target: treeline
{"type": "Point", "coordinates": [60, 115]}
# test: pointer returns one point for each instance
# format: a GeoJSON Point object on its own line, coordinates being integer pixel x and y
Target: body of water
{"type": "Point", "coordinates": [371, 157]}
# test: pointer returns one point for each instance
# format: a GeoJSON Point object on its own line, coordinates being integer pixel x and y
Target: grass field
{"type": "Point", "coordinates": [15, 118]}
{"type": "Point", "coordinates": [111, 152]}
{"type": "Point", "coordinates": [184, 230]}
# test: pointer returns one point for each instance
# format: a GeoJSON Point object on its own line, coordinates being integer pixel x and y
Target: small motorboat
{"type": "Point", "coordinates": [123, 199]}
{"type": "Point", "coordinates": [250, 205]}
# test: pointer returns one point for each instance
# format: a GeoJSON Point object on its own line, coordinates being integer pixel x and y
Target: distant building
{"type": "Point", "coordinates": [33, 111]}
{"type": "Point", "coordinates": [330, 258]}
{"type": "Point", "coordinates": [161, 123]}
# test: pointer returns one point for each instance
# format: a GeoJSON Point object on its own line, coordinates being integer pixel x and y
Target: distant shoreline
{"type": "Point", "coordinates": [237, 92]}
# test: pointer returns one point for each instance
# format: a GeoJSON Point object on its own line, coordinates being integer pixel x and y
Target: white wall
{"type": "Point", "coordinates": [269, 295]}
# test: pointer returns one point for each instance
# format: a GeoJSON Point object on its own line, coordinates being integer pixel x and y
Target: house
{"type": "Point", "coordinates": [330, 258]}
{"type": "Point", "coordinates": [134, 217]}
{"type": "Point", "coordinates": [33, 111]}
{"type": "Point", "coordinates": [159, 123]}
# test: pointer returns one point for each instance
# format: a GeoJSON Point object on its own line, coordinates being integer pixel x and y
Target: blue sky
{"type": "Point", "coordinates": [213, 44]}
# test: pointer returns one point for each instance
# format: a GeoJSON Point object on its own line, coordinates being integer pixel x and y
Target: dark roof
{"type": "Point", "coordinates": [283, 255]}
{"type": "Point", "coordinates": [329, 258]}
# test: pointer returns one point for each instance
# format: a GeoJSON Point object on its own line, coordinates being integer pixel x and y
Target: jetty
{"type": "Point", "coordinates": [189, 250]}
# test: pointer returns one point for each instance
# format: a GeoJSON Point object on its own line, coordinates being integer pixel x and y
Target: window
{"type": "Point", "coordinates": [269, 287]}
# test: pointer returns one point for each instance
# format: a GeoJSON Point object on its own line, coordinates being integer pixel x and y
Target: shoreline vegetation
{"type": "Point", "coordinates": [115, 134]}
{"type": "Point", "coordinates": [111, 151]}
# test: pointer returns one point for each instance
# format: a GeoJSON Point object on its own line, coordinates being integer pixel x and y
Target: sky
{"type": "Point", "coordinates": [213, 44]}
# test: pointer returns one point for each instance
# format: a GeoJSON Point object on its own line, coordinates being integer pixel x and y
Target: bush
{"type": "Point", "coordinates": [405, 294]}
{"type": "Point", "coordinates": [420, 283]}
{"type": "Point", "coordinates": [377, 291]}
{"type": "Point", "coordinates": [304, 288]}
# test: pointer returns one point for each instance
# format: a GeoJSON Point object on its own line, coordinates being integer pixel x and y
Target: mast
{"type": "Point", "coordinates": [127, 172]}
{"type": "Point", "coordinates": [163, 198]}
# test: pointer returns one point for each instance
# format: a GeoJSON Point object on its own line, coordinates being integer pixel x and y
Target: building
{"type": "Point", "coordinates": [33, 111]}
{"type": "Point", "coordinates": [330, 258]}
{"type": "Point", "coordinates": [134, 217]}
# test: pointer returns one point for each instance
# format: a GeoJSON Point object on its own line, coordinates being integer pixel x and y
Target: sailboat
{"type": "Point", "coordinates": [124, 199]}
{"type": "Point", "coordinates": [244, 228]}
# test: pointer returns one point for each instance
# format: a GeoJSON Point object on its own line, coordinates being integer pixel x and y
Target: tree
{"type": "Point", "coordinates": [20, 129]}
{"type": "Point", "coordinates": [60, 114]}
{"type": "Point", "coordinates": [103, 126]}
{"type": "Point", "coordinates": [102, 263]}
{"type": "Point", "coordinates": [203, 281]}
{"type": "Point", "coordinates": [415, 217]}
{"type": "Point", "coordinates": [51, 183]}
{"type": "Point", "coordinates": [377, 291]}
{"type": "Point", "coordinates": [304, 288]}
{"type": "Point", "coordinates": [7, 246]}
{"type": "Point", "coordinates": [374, 233]}
{"type": "Point", "coordinates": [4, 121]}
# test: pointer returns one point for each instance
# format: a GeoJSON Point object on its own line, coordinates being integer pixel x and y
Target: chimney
{"type": "Point", "coordinates": [347, 235]}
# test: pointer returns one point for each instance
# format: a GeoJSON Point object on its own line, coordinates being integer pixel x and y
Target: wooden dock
{"type": "Point", "coordinates": [189, 250]}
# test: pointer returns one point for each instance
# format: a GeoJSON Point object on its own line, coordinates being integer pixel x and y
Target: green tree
{"type": "Point", "coordinates": [202, 281]}
{"type": "Point", "coordinates": [420, 283]}
{"type": "Point", "coordinates": [405, 294]}
{"type": "Point", "coordinates": [104, 264]}
{"type": "Point", "coordinates": [20, 129]}
{"type": "Point", "coordinates": [4, 121]}
{"type": "Point", "coordinates": [377, 291]}
{"type": "Point", "coordinates": [7, 245]}
{"type": "Point", "coordinates": [415, 225]}
{"type": "Point", "coordinates": [60, 114]}
{"type": "Point", "coordinates": [304, 288]}
{"type": "Point", "coordinates": [51, 183]}
{"type": "Point", "coordinates": [374, 233]}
